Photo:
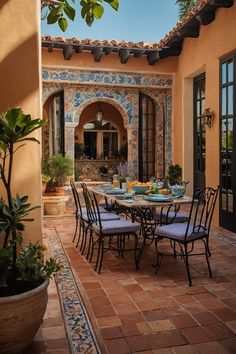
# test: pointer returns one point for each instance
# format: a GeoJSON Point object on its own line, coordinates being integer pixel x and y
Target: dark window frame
{"type": "Point", "coordinates": [197, 81]}
{"type": "Point", "coordinates": [227, 218]}
{"type": "Point", "coordinates": [142, 115]}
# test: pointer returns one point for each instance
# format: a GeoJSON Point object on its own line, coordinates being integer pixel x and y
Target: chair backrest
{"type": "Point", "coordinates": [92, 209]}
{"type": "Point", "coordinates": [76, 198]}
{"type": "Point", "coordinates": [202, 209]}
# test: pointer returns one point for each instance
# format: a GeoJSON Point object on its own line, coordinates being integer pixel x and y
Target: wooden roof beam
{"type": "Point", "coordinates": [153, 57]}
{"type": "Point", "coordinates": [79, 49]}
{"type": "Point", "coordinates": [222, 3]}
{"type": "Point", "coordinates": [50, 47]}
{"type": "Point", "coordinates": [192, 32]}
{"type": "Point", "coordinates": [171, 51]}
{"type": "Point", "coordinates": [206, 17]}
{"type": "Point", "coordinates": [68, 51]}
{"type": "Point", "coordinates": [97, 53]}
{"type": "Point", "coordinates": [124, 55]}
{"type": "Point", "coordinates": [107, 50]}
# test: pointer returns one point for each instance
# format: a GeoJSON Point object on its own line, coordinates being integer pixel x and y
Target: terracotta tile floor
{"type": "Point", "coordinates": [138, 311]}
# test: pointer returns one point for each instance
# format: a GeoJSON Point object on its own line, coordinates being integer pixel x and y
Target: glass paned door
{"type": "Point", "coordinates": [147, 129]}
{"type": "Point", "coordinates": [199, 132]}
{"type": "Point", "coordinates": [228, 144]}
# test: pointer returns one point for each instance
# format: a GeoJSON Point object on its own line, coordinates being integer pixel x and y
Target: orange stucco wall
{"type": "Point", "coordinates": [20, 67]}
{"type": "Point", "coordinates": [200, 55]}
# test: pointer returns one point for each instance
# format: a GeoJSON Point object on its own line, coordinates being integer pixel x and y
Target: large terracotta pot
{"type": "Point", "coordinates": [20, 318]}
{"type": "Point", "coordinates": [54, 205]}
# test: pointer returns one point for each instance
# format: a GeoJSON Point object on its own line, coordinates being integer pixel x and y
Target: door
{"type": "Point", "coordinates": [147, 129]}
{"type": "Point", "coordinates": [228, 143]}
{"type": "Point", "coordinates": [90, 142]}
{"type": "Point", "coordinates": [199, 132]}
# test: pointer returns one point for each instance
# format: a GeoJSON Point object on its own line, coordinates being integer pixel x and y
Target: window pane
{"type": "Point", "coordinates": [223, 73]}
{"type": "Point", "coordinates": [223, 201]}
{"type": "Point", "coordinates": [230, 100]}
{"type": "Point", "coordinates": [198, 108]}
{"type": "Point", "coordinates": [230, 203]}
{"type": "Point", "coordinates": [223, 102]}
{"type": "Point", "coordinates": [224, 134]}
{"type": "Point", "coordinates": [230, 71]}
{"type": "Point", "coordinates": [230, 133]}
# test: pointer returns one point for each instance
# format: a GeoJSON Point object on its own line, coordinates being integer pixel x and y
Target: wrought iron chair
{"type": "Point", "coordinates": [114, 232]}
{"type": "Point", "coordinates": [196, 229]}
{"type": "Point", "coordinates": [91, 209]}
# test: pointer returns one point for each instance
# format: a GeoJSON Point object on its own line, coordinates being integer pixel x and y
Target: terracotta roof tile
{"type": "Point", "coordinates": [127, 44]}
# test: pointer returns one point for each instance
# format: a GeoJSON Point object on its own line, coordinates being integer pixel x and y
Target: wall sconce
{"type": "Point", "coordinates": [99, 115]}
{"type": "Point", "coordinates": [207, 117]}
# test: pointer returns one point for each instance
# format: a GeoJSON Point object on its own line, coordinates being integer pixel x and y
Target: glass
{"type": "Point", "coordinates": [230, 100]}
{"type": "Point", "coordinates": [223, 73]}
{"type": "Point", "coordinates": [116, 182]}
{"type": "Point", "coordinates": [230, 71]}
{"type": "Point", "coordinates": [223, 102]}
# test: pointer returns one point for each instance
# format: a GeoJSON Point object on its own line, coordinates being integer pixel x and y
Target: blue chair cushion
{"type": "Point", "coordinates": [104, 217]}
{"type": "Point", "coordinates": [176, 217]}
{"type": "Point", "coordinates": [117, 227]}
{"type": "Point", "coordinates": [176, 231]}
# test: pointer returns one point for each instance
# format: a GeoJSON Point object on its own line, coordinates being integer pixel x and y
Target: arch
{"type": "Point", "coordinates": [81, 107]}
{"type": "Point", "coordinates": [49, 90]}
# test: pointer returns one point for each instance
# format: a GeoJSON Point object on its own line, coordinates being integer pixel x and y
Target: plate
{"type": "Point", "coordinates": [124, 196]}
{"type": "Point", "coordinates": [158, 198]}
{"type": "Point", "coordinates": [116, 191]}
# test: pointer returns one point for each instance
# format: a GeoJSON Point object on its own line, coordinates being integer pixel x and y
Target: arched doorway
{"type": "Point", "coordinates": [53, 131]}
{"type": "Point", "coordinates": [100, 138]}
{"type": "Point", "coordinates": [101, 130]}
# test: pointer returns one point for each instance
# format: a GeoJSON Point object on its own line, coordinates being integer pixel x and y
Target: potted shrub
{"type": "Point", "coordinates": [174, 174]}
{"type": "Point", "coordinates": [58, 168]}
{"type": "Point", "coordinates": [23, 272]}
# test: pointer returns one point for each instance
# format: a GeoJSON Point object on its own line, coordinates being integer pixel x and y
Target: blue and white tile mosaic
{"type": "Point", "coordinates": [79, 330]}
{"type": "Point", "coordinates": [107, 78]}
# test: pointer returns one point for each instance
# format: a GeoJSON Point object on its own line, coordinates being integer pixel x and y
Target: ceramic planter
{"type": "Point", "coordinates": [21, 317]}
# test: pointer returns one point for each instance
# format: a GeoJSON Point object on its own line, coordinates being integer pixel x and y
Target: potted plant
{"type": "Point", "coordinates": [23, 272]}
{"type": "Point", "coordinates": [58, 169]}
{"type": "Point", "coordinates": [174, 174]}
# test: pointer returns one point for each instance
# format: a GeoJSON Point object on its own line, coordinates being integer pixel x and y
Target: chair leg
{"type": "Point", "coordinates": [207, 256]}
{"type": "Point", "coordinates": [90, 242]}
{"type": "Point", "coordinates": [159, 258]}
{"type": "Point", "coordinates": [101, 258]}
{"type": "Point", "coordinates": [76, 227]}
{"type": "Point", "coordinates": [98, 255]}
{"type": "Point", "coordinates": [80, 230]}
{"type": "Point", "coordinates": [187, 264]}
{"type": "Point", "coordinates": [208, 249]}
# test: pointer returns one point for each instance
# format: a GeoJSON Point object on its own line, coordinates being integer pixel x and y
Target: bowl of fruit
{"type": "Point", "coordinates": [140, 188]}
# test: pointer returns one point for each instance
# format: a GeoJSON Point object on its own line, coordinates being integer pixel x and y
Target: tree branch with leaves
{"type": "Point", "coordinates": [60, 11]}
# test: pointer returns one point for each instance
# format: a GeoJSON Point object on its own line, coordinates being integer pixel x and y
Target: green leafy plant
{"type": "Point", "coordinates": [185, 6]}
{"type": "Point", "coordinates": [79, 150]}
{"type": "Point", "coordinates": [15, 128]}
{"type": "Point", "coordinates": [60, 11]}
{"type": "Point", "coordinates": [59, 169]}
{"type": "Point", "coordinates": [174, 173]}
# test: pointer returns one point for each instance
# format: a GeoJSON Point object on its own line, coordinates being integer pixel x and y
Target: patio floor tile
{"type": "Point", "coordinates": [141, 312]}
{"type": "Point", "coordinates": [183, 321]}
{"type": "Point", "coordinates": [138, 343]}
{"type": "Point", "coordinates": [196, 335]}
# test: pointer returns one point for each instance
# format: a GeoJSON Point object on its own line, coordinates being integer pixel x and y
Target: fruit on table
{"type": "Point", "coordinates": [164, 191]}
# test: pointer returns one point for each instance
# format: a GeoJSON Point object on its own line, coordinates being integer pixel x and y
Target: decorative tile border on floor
{"type": "Point", "coordinates": [79, 330]}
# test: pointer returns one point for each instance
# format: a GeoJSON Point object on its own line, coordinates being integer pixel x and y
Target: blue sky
{"type": "Point", "coordinates": [136, 20]}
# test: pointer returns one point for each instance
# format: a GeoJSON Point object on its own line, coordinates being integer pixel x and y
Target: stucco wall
{"type": "Point", "coordinates": [20, 87]}
{"type": "Point", "coordinates": [200, 55]}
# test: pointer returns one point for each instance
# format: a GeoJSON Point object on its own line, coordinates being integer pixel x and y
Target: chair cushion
{"type": "Point", "coordinates": [104, 217]}
{"type": "Point", "coordinates": [176, 217]}
{"type": "Point", "coordinates": [117, 227]}
{"type": "Point", "coordinates": [176, 231]}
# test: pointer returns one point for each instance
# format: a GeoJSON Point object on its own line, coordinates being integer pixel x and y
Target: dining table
{"type": "Point", "coordinates": [130, 204]}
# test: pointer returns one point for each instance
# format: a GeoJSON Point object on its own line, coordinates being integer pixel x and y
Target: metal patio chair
{"type": "Point", "coordinates": [185, 235]}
